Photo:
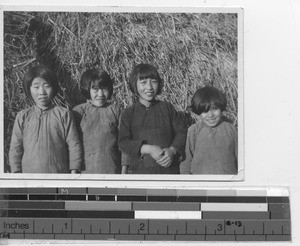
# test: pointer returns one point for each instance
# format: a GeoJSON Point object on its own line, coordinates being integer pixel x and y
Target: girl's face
{"type": "Point", "coordinates": [212, 117]}
{"type": "Point", "coordinates": [99, 96]}
{"type": "Point", "coordinates": [41, 92]}
{"type": "Point", "coordinates": [147, 89]}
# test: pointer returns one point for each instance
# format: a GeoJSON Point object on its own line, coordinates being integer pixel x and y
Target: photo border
{"type": "Point", "coordinates": [122, 177]}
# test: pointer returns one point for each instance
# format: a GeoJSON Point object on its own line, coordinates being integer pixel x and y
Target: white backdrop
{"type": "Point", "coordinates": [271, 94]}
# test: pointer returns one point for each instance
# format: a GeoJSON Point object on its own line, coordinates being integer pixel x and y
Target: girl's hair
{"type": "Point", "coordinates": [40, 71]}
{"type": "Point", "coordinates": [95, 77]}
{"type": "Point", "coordinates": [207, 97]}
{"type": "Point", "coordinates": [144, 71]}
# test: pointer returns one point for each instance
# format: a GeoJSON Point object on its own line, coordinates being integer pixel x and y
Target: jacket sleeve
{"type": "Point", "coordinates": [73, 141]}
{"type": "Point", "coordinates": [185, 166]}
{"type": "Point", "coordinates": [124, 157]}
{"type": "Point", "coordinates": [180, 131]}
{"type": "Point", "coordinates": [16, 149]}
{"type": "Point", "coordinates": [126, 143]}
{"type": "Point", "coordinates": [77, 112]}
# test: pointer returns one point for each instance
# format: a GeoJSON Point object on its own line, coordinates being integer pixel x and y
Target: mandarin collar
{"type": "Point", "coordinates": [96, 107]}
{"type": "Point", "coordinates": [39, 110]}
{"type": "Point", "coordinates": [154, 102]}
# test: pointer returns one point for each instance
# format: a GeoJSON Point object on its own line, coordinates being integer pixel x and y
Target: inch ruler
{"type": "Point", "coordinates": [145, 214]}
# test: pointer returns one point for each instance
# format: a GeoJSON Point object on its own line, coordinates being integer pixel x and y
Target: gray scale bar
{"type": "Point", "coordinates": [166, 206]}
{"type": "Point", "coordinates": [236, 215]}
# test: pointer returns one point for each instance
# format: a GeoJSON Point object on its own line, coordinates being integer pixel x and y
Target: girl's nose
{"type": "Point", "coordinates": [149, 84]}
{"type": "Point", "coordinates": [210, 113]}
{"type": "Point", "coordinates": [42, 90]}
{"type": "Point", "coordinates": [100, 92]}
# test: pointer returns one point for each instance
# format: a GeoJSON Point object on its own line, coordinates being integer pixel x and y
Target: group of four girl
{"type": "Point", "coordinates": [149, 137]}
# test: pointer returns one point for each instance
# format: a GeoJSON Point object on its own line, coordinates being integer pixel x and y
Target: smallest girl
{"type": "Point", "coordinates": [212, 143]}
{"type": "Point", "coordinates": [44, 137]}
{"type": "Point", "coordinates": [97, 122]}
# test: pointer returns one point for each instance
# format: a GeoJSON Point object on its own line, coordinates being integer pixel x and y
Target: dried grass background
{"type": "Point", "coordinates": [189, 49]}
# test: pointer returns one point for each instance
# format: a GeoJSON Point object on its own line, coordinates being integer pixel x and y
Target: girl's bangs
{"type": "Point", "coordinates": [206, 103]}
{"type": "Point", "coordinates": [99, 83]}
{"type": "Point", "coordinates": [145, 74]}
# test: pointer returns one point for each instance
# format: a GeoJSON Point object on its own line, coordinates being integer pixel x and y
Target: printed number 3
{"type": "Point", "coordinates": [220, 227]}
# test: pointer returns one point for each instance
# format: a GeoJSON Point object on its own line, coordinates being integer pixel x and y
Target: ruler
{"type": "Point", "coordinates": [145, 214]}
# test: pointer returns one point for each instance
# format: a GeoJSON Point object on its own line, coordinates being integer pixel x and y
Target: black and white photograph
{"type": "Point", "coordinates": [123, 93]}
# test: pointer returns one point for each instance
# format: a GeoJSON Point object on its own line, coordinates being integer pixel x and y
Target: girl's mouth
{"type": "Point", "coordinates": [43, 98]}
{"type": "Point", "coordinates": [211, 120]}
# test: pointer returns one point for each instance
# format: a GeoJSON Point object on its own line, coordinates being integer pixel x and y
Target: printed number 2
{"type": "Point", "coordinates": [142, 226]}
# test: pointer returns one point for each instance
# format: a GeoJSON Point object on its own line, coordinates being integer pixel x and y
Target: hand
{"type": "Point", "coordinates": [167, 157]}
{"type": "Point", "coordinates": [124, 170]}
{"type": "Point", "coordinates": [153, 150]}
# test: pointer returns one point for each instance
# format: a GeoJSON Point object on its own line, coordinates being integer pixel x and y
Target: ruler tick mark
{"type": "Point", "coordinates": [186, 228]}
